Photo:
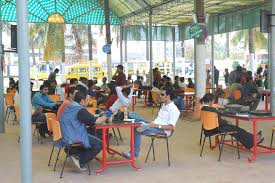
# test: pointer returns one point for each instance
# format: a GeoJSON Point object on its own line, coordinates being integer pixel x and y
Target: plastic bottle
{"type": "Point", "coordinates": [125, 113]}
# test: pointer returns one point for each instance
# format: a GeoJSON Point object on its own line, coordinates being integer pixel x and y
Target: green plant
{"type": "Point", "coordinates": [235, 64]}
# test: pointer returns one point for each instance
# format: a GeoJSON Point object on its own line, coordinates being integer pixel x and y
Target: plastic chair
{"type": "Point", "coordinates": [92, 102]}
{"type": "Point", "coordinates": [237, 94]}
{"type": "Point", "coordinates": [55, 98]}
{"type": "Point", "coordinates": [226, 93]}
{"type": "Point", "coordinates": [273, 129]}
{"type": "Point", "coordinates": [91, 110]}
{"type": "Point", "coordinates": [48, 116]}
{"type": "Point", "coordinates": [57, 136]}
{"type": "Point", "coordinates": [10, 106]}
{"type": "Point", "coordinates": [209, 122]}
{"type": "Point", "coordinates": [158, 136]}
{"type": "Point", "coordinates": [37, 124]}
{"type": "Point", "coordinates": [155, 97]}
{"type": "Point", "coordinates": [215, 106]}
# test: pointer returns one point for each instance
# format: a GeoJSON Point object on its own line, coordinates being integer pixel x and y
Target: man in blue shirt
{"type": "Point", "coordinates": [73, 122]}
{"type": "Point", "coordinates": [42, 99]}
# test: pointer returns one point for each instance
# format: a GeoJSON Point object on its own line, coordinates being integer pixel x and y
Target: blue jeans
{"type": "Point", "coordinates": [150, 131]}
{"type": "Point", "coordinates": [180, 103]}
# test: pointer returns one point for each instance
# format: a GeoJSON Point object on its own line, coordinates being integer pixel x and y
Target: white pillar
{"type": "Point", "coordinates": [151, 49]}
{"type": "Point", "coordinates": [272, 61]}
{"type": "Point", "coordinates": [212, 59]}
{"type": "Point", "coordinates": [121, 44]}
{"type": "Point", "coordinates": [174, 51]}
{"type": "Point", "coordinates": [2, 122]}
{"type": "Point", "coordinates": [126, 52]}
{"type": "Point", "coordinates": [25, 92]}
{"type": "Point", "coordinates": [200, 70]}
{"type": "Point", "coordinates": [109, 67]}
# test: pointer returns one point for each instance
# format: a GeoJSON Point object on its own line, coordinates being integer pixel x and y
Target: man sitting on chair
{"type": "Point", "coordinates": [164, 124]}
{"type": "Point", "coordinates": [73, 123]}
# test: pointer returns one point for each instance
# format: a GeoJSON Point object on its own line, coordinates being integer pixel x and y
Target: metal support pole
{"type": "Point", "coordinates": [2, 122]}
{"type": "Point", "coordinates": [126, 51]}
{"type": "Point", "coordinates": [121, 44]}
{"type": "Point", "coordinates": [272, 62]}
{"type": "Point", "coordinates": [174, 50]}
{"type": "Point", "coordinates": [108, 38]}
{"type": "Point", "coordinates": [25, 92]}
{"type": "Point", "coordinates": [269, 60]}
{"type": "Point", "coordinates": [212, 59]}
{"type": "Point", "coordinates": [151, 48]}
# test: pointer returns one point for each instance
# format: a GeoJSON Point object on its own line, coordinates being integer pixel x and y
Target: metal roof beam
{"type": "Point", "coordinates": [147, 9]}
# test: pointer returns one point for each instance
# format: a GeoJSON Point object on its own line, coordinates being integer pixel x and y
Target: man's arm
{"type": "Point", "coordinates": [85, 117]}
{"type": "Point", "coordinates": [38, 100]}
{"type": "Point", "coordinates": [114, 76]}
{"type": "Point", "coordinates": [163, 127]}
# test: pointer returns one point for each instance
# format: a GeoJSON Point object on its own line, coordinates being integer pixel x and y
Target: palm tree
{"type": "Point", "coordinates": [36, 36]}
{"type": "Point", "coordinates": [90, 42]}
{"type": "Point", "coordinates": [253, 40]}
{"type": "Point", "coordinates": [260, 41]}
{"type": "Point", "coordinates": [54, 42]}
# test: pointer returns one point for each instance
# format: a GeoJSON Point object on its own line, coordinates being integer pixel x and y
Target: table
{"type": "Point", "coordinates": [254, 120]}
{"type": "Point", "coordinates": [186, 95]}
{"type": "Point", "coordinates": [266, 93]}
{"type": "Point", "coordinates": [144, 92]}
{"type": "Point", "coordinates": [106, 146]}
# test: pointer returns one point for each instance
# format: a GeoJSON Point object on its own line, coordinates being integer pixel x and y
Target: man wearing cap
{"type": "Point", "coordinates": [119, 76]}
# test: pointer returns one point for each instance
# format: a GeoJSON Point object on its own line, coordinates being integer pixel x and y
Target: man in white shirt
{"type": "Point", "coordinates": [163, 124]}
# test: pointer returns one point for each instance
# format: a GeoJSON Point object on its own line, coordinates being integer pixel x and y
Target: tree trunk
{"type": "Point", "coordinates": [90, 42]}
{"type": "Point", "coordinates": [227, 45]}
{"type": "Point", "coordinates": [33, 54]}
{"type": "Point", "coordinates": [182, 48]}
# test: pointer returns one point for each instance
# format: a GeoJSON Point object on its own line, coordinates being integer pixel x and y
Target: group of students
{"type": "Point", "coordinates": [74, 117]}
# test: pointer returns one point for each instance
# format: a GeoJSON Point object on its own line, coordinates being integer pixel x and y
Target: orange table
{"type": "Point", "coordinates": [266, 93]}
{"type": "Point", "coordinates": [106, 146]}
{"type": "Point", "coordinates": [253, 120]}
{"type": "Point", "coordinates": [187, 95]}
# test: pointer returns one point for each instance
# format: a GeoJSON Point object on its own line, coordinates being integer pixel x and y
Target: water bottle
{"type": "Point", "coordinates": [125, 113]}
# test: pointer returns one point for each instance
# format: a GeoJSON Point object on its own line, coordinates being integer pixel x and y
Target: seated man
{"type": "Point", "coordinates": [42, 99]}
{"type": "Point", "coordinates": [242, 136]}
{"type": "Point", "coordinates": [73, 123]}
{"type": "Point", "coordinates": [163, 124]}
{"type": "Point", "coordinates": [248, 90]}
{"type": "Point", "coordinates": [39, 101]}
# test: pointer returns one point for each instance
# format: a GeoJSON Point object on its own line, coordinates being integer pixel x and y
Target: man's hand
{"type": "Point", "coordinates": [101, 120]}
{"type": "Point", "coordinates": [153, 125]}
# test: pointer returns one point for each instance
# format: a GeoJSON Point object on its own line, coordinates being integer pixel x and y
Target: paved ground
{"type": "Point", "coordinates": [186, 166]}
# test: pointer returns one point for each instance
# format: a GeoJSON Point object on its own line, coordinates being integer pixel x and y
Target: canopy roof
{"type": "Point", "coordinates": [72, 11]}
{"type": "Point", "coordinates": [169, 12]}
{"type": "Point", "coordinates": [174, 12]}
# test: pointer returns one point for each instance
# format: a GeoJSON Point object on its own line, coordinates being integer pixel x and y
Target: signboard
{"type": "Point", "coordinates": [107, 48]}
{"type": "Point", "coordinates": [195, 30]}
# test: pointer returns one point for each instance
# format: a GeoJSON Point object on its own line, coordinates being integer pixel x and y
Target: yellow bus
{"type": "Point", "coordinates": [41, 71]}
{"type": "Point", "coordinates": [82, 69]}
